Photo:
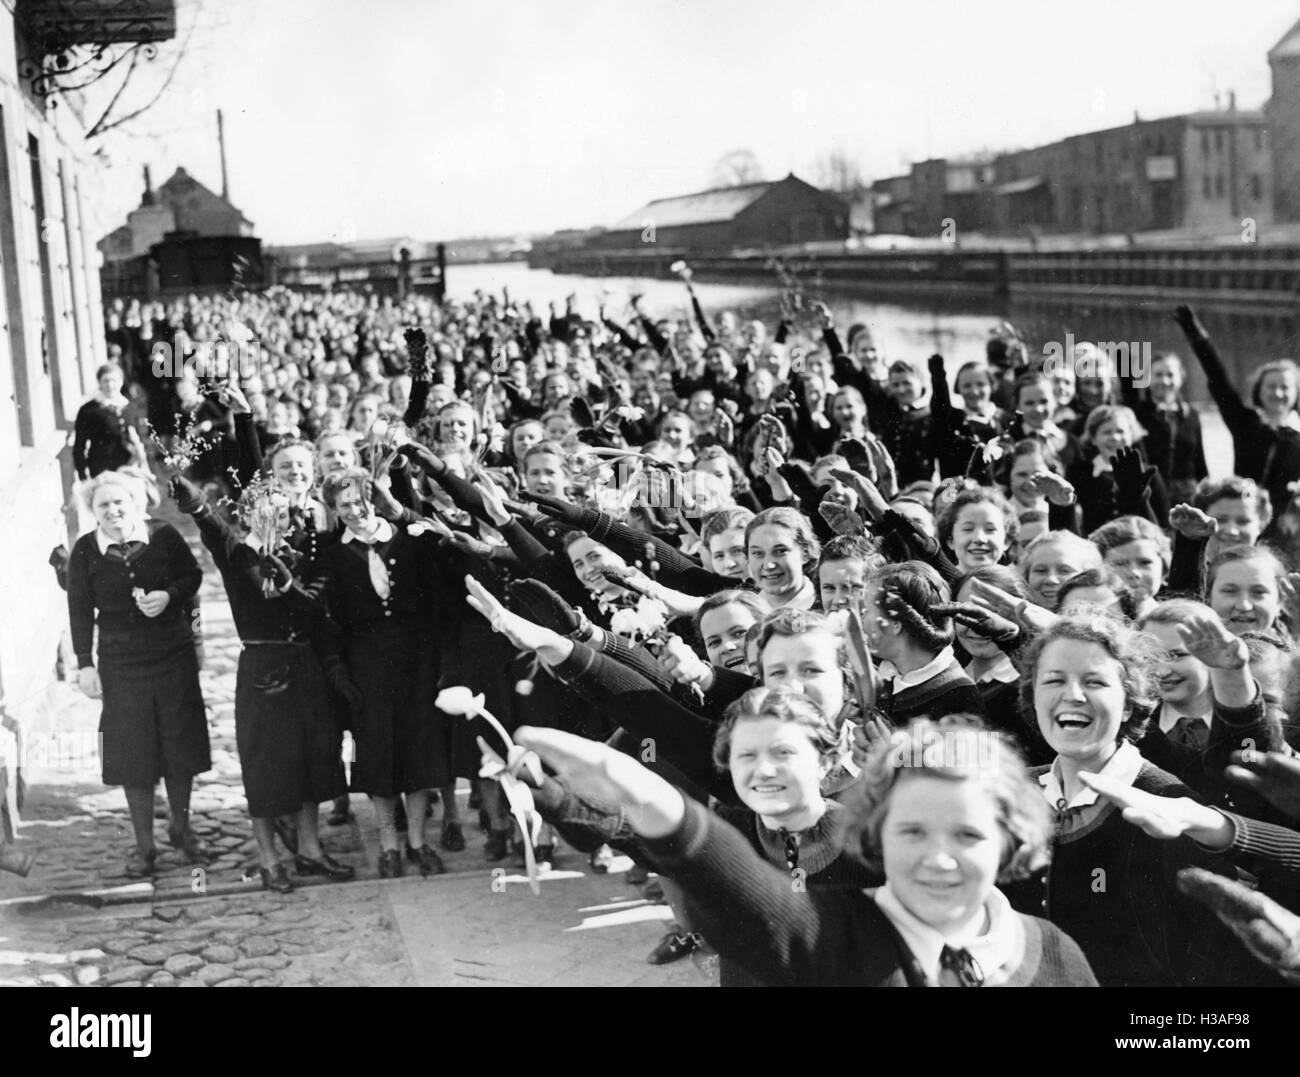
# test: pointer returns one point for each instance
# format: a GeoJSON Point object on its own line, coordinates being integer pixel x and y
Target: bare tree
{"type": "Point", "coordinates": [737, 168]}
{"type": "Point", "coordinates": [840, 173]}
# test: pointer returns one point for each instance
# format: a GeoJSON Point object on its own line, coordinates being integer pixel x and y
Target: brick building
{"type": "Point", "coordinates": [1283, 112]}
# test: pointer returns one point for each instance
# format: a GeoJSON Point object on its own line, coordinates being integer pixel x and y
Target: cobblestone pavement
{"type": "Point", "coordinates": [77, 919]}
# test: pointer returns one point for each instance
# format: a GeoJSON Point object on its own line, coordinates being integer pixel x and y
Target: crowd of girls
{"type": "Point", "coordinates": [894, 672]}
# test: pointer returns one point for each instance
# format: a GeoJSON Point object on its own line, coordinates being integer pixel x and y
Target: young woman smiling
{"type": "Point", "coordinates": [1088, 683]}
{"type": "Point", "coordinates": [782, 550]}
{"type": "Point", "coordinates": [948, 826]}
{"type": "Point", "coordinates": [979, 527]}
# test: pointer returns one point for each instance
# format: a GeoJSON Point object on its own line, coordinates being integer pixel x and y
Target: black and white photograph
{"type": "Point", "coordinates": [650, 494]}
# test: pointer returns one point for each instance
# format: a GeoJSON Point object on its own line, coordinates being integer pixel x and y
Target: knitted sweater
{"type": "Point", "coordinates": [823, 937]}
{"type": "Point", "coordinates": [1113, 890]}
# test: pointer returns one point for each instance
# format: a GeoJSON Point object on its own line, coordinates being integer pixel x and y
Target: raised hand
{"type": "Point", "coordinates": [839, 516]}
{"type": "Point", "coordinates": [1207, 639]}
{"type": "Point", "coordinates": [1191, 522]}
{"type": "Point", "coordinates": [1165, 818]}
{"type": "Point", "coordinates": [494, 502]}
{"type": "Point", "coordinates": [543, 606]}
{"type": "Point", "coordinates": [520, 632]}
{"type": "Point", "coordinates": [1025, 613]}
{"type": "Point", "coordinates": [983, 622]}
{"type": "Point", "coordinates": [1188, 322]}
{"type": "Point", "coordinates": [1053, 487]}
{"type": "Point", "coordinates": [870, 501]}
{"type": "Point", "coordinates": [824, 315]}
{"type": "Point", "coordinates": [1269, 931]}
{"type": "Point", "coordinates": [683, 664]}
{"type": "Point", "coordinates": [1273, 775]}
{"type": "Point", "coordinates": [1131, 475]}
{"type": "Point", "coordinates": [603, 775]}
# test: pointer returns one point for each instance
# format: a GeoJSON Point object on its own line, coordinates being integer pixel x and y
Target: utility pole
{"type": "Point", "coordinates": [221, 144]}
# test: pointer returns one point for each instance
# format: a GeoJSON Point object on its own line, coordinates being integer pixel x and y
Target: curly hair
{"type": "Point", "coordinates": [1233, 554]}
{"type": "Point", "coordinates": [946, 520]}
{"type": "Point", "coordinates": [906, 591]}
{"type": "Point", "coordinates": [1135, 653]}
{"type": "Point", "coordinates": [1128, 529]}
{"type": "Point", "coordinates": [1105, 576]}
{"type": "Point", "coordinates": [957, 748]}
{"type": "Point", "coordinates": [1112, 413]}
{"type": "Point", "coordinates": [720, 520]}
{"type": "Point", "coordinates": [785, 705]}
{"type": "Point", "coordinates": [1233, 488]}
{"type": "Point", "coordinates": [852, 548]}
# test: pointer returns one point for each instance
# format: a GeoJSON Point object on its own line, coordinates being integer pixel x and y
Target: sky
{"type": "Point", "coordinates": [443, 119]}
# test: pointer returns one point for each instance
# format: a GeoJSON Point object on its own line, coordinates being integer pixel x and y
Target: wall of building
{"type": "Point", "coordinates": [1284, 123]}
{"type": "Point", "coordinates": [1229, 174]}
{"type": "Point", "coordinates": [791, 212]}
{"type": "Point", "coordinates": [49, 218]}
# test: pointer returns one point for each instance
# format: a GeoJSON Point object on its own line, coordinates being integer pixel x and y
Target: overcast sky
{"type": "Point", "coordinates": [442, 119]}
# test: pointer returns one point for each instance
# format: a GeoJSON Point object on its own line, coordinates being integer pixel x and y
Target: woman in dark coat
{"type": "Point", "coordinates": [383, 589]}
{"type": "Point", "coordinates": [285, 724]}
{"type": "Point", "coordinates": [102, 437]}
{"type": "Point", "coordinates": [132, 578]}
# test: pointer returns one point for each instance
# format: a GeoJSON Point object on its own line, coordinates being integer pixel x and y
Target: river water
{"type": "Point", "coordinates": [955, 329]}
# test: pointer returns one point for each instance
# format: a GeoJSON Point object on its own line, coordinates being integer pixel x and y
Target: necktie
{"type": "Point", "coordinates": [124, 551]}
{"type": "Point", "coordinates": [378, 573]}
{"type": "Point", "coordinates": [957, 968]}
{"type": "Point", "coordinates": [1189, 733]}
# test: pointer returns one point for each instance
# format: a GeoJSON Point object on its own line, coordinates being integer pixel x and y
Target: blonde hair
{"type": "Point", "coordinates": [129, 480]}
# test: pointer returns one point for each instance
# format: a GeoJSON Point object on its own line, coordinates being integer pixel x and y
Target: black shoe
{"type": "Point", "coordinates": [326, 866]}
{"type": "Point", "coordinates": [140, 863]}
{"type": "Point", "coordinates": [286, 832]}
{"type": "Point", "coordinates": [637, 875]}
{"type": "Point", "coordinates": [390, 864]}
{"type": "Point", "coordinates": [673, 947]}
{"type": "Point", "coordinates": [453, 838]}
{"type": "Point", "coordinates": [342, 813]}
{"type": "Point", "coordinates": [498, 845]}
{"type": "Point", "coordinates": [430, 862]}
{"type": "Point", "coordinates": [276, 879]}
{"type": "Point", "coordinates": [188, 843]}
{"type": "Point", "coordinates": [545, 854]}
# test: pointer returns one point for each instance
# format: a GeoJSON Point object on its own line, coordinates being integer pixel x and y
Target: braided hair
{"type": "Point", "coordinates": [906, 592]}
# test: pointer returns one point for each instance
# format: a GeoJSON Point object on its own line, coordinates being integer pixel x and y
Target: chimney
{"type": "Point", "coordinates": [148, 199]}
{"type": "Point", "coordinates": [221, 143]}
{"type": "Point", "coordinates": [1232, 100]}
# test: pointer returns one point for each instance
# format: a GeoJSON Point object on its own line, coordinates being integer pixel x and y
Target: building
{"type": "Point", "coordinates": [950, 196]}
{"type": "Point", "coordinates": [50, 307]}
{"type": "Point", "coordinates": [390, 266]}
{"type": "Point", "coordinates": [892, 205]}
{"type": "Point", "coordinates": [1283, 111]}
{"type": "Point", "coordinates": [729, 218]}
{"type": "Point", "coordinates": [183, 237]}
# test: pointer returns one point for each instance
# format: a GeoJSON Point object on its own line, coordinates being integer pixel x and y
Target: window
{"type": "Point", "coordinates": [1205, 185]}
{"type": "Point", "coordinates": [1218, 185]}
{"type": "Point", "coordinates": [1257, 187]}
{"type": "Point", "coordinates": [1218, 141]}
{"type": "Point", "coordinates": [1205, 143]}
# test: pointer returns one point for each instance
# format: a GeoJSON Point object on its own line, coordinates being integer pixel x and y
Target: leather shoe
{"type": "Point", "coordinates": [276, 879]}
{"type": "Point", "coordinates": [140, 863]}
{"type": "Point", "coordinates": [341, 814]}
{"type": "Point", "coordinates": [453, 838]}
{"type": "Point", "coordinates": [430, 863]}
{"type": "Point", "coordinates": [326, 866]}
{"type": "Point", "coordinates": [498, 845]}
{"type": "Point", "coordinates": [390, 864]}
{"type": "Point", "coordinates": [188, 843]}
{"type": "Point", "coordinates": [673, 947]}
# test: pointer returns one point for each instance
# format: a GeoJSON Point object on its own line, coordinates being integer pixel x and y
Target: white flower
{"type": "Point", "coordinates": [625, 622]}
{"type": "Point", "coordinates": [630, 412]}
{"type": "Point", "coordinates": [459, 700]}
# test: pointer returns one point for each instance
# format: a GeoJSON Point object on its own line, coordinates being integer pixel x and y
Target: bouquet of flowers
{"type": "Point", "coordinates": [264, 510]}
{"type": "Point", "coordinates": [417, 350]}
{"type": "Point", "coordinates": [386, 437]}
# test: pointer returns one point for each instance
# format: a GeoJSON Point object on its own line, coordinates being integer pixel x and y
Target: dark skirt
{"type": "Point", "coordinates": [286, 729]}
{"type": "Point", "coordinates": [402, 740]}
{"type": "Point", "coordinates": [153, 724]}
